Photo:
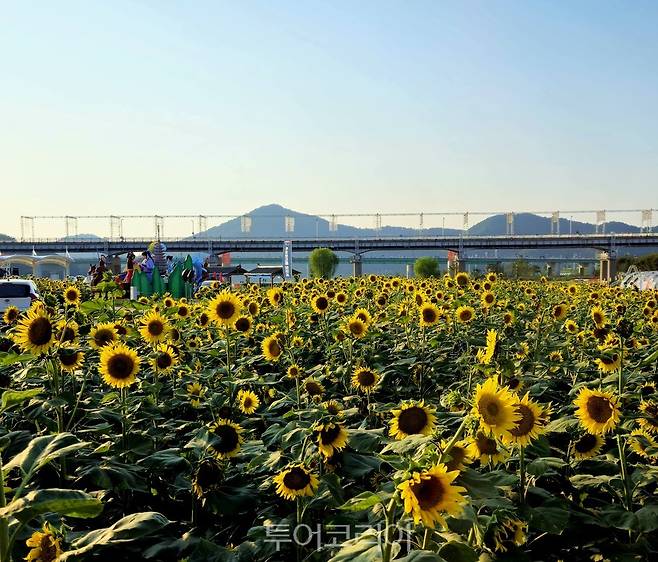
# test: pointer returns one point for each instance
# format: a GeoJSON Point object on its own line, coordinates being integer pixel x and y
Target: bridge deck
{"type": "Point", "coordinates": [604, 242]}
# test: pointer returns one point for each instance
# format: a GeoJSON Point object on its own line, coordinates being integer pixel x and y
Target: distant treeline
{"type": "Point", "coordinates": [648, 262]}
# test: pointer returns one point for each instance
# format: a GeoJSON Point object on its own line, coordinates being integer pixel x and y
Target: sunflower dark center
{"type": "Point", "coordinates": [429, 492]}
{"type": "Point", "coordinates": [226, 439]}
{"type": "Point", "coordinates": [12, 314]}
{"type": "Point", "coordinates": [457, 455]}
{"type": "Point", "coordinates": [103, 337]}
{"type": "Point", "coordinates": [183, 311]}
{"type": "Point", "coordinates": [155, 327]}
{"type": "Point", "coordinates": [120, 366]}
{"type": "Point", "coordinates": [366, 378]}
{"type": "Point", "coordinates": [71, 295]}
{"type": "Point", "coordinates": [274, 348]}
{"type": "Point", "coordinates": [486, 445]}
{"type": "Point", "coordinates": [68, 359]}
{"type": "Point", "coordinates": [489, 408]}
{"type": "Point", "coordinates": [586, 443]}
{"type": "Point", "coordinates": [322, 303]}
{"type": "Point", "coordinates": [68, 334]}
{"type": "Point", "coordinates": [48, 548]}
{"type": "Point", "coordinates": [526, 423]}
{"type": "Point", "coordinates": [356, 328]}
{"type": "Point", "coordinates": [253, 308]}
{"type": "Point", "coordinates": [296, 479]}
{"type": "Point", "coordinates": [242, 324]}
{"type": "Point", "coordinates": [247, 402]}
{"type": "Point", "coordinates": [207, 475]}
{"type": "Point", "coordinates": [429, 315]}
{"type": "Point", "coordinates": [465, 315]}
{"type": "Point", "coordinates": [40, 331]}
{"type": "Point", "coordinates": [329, 434]}
{"type": "Point", "coordinates": [599, 409]}
{"type": "Point", "coordinates": [412, 420]}
{"type": "Point", "coordinates": [164, 361]}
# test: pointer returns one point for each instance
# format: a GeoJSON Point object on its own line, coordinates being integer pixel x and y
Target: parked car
{"type": "Point", "coordinates": [20, 293]}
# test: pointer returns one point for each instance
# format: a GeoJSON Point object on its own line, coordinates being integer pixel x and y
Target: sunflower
{"type": "Point", "coordinates": [356, 327]}
{"type": "Point", "coordinates": [643, 444]}
{"type": "Point", "coordinates": [248, 402]}
{"type": "Point", "coordinates": [225, 438]}
{"type": "Point", "coordinates": [168, 302]}
{"type": "Point", "coordinates": [458, 456]}
{"type": "Point", "coordinates": [72, 295]}
{"type": "Point", "coordinates": [183, 311]}
{"type": "Point", "coordinates": [598, 316]}
{"type": "Point", "coordinates": [363, 315]}
{"type": "Point", "coordinates": [511, 532]}
{"type": "Point", "coordinates": [508, 318]}
{"type": "Point", "coordinates": [494, 407]}
{"type": "Point", "coordinates": [486, 449]}
{"type": "Point", "coordinates": [203, 319]}
{"type": "Point", "coordinates": [429, 314]}
{"type": "Point", "coordinates": [313, 387]}
{"type": "Point", "coordinates": [559, 311]}
{"type": "Point", "coordinates": [10, 315]}
{"type": "Point", "coordinates": [275, 296]}
{"type": "Point", "coordinates": [341, 298]}
{"type": "Point", "coordinates": [70, 359]}
{"type": "Point", "coordinates": [412, 418]}
{"type": "Point", "coordinates": [243, 324]}
{"type": "Point", "coordinates": [119, 365]}
{"type": "Point", "coordinates": [207, 477]}
{"type": "Point", "coordinates": [155, 327]}
{"type": "Point", "coordinates": [462, 279]}
{"type": "Point", "coordinates": [531, 423]}
{"type": "Point", "coordinates": [364, 379]}
{"type": "Point", "coordinates": [225, 308]}
{"type": "Point", "coordinates": [320, 303]}
{"type": "Point", "coordinates": [34, 332]}
{"type": "Point", "coordinates": [296, 481]}
{"type": "Point", "coordinates": [331, 437]}
{"type": "Point", "coordinates": [44, 546]}
{"type": "Point", "coordinates": [609, 362]}
{"type": "Point", "coordinates": [195, 392]}
{"type": "Point", "coordinates": [587, 446]}
{"type": "Point", "coordinates": [253, 308]}
{"type": "Point", "coordinates": [485, 355]}
{"type": "Point", "coordinates": [294, 371]}
{"type": "Point", "coordinates": [487, 299]}
{"type": "Point", "coordinates": [333, 407]}
{"type": "Point", "coordinates": [465, 314]}
{"type": "Point", "coordinates": [571, 327]}
{"type": "Point", "coordinates": [165, 359]}
{"type": "Point", "coordinates": [428, 495]}
{"type": "Point", "coordinates": [272, 346]}
{"type": "Point", "coordinates": [649, 419]}
{"type": "Point", "coordinates": [597, 410]}
{"type": "Point", "coordinates": [67, 331]}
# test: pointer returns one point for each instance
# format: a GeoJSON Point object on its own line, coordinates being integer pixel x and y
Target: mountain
{"type": "Point", "coordinates": [73, 237]}
{"type": "Point", "coordinates": [527, 223]}
{"type": "Point", "coordinates": [6, 237]}
{"type": "Point", "coordinates": [268, 222]}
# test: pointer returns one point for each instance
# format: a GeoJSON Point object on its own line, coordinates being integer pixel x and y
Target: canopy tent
{"type": "Point", "coordinates": [271, 271]}
{"type": "Point", "coordinates": [35, 262]}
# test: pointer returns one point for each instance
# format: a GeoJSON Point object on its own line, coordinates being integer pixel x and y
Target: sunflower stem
{"type": "Point", "coordinates": [388, 532]}
{"type": "Point", "coordinates": [455, 438]}
{"type": "Point", "coordinates": [4, 525]}
{"type": "Point", "coordinates": [522, 476]}
{"type": "Point", "coordinates": [426, 538]}
{"type": "Point", "coordinates": [623, 468]}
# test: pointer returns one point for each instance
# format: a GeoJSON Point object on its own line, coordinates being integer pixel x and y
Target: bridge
{"type": "Point", "coordinates": [459, 244]}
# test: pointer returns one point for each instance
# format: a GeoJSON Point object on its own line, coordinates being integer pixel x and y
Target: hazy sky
{"type": "Point", "coordinates": [213, 107]}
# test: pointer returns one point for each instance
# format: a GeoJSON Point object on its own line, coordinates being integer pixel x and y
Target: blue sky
{"type": "Point", "coordinates": [218, 107]}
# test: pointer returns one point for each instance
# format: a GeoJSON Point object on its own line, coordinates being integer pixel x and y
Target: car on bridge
{"type": "Point", "coordinates": [20, 293]}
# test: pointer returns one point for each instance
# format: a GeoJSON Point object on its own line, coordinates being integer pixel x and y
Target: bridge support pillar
{"type": "Point", "coordinates": [357, 265]}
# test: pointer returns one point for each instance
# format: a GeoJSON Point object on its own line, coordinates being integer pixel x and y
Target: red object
{"type": "Point", "coordinates": [226, 258]}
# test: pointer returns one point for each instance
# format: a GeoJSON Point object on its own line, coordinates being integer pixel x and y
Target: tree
{"type": "Point", "coordinates": [322, 262]}
{"type": "Point", "coordinates": [426, 267]}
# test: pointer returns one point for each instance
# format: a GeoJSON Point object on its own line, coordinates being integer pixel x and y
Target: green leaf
{"type": "Point", "coordinates": [410, 443]}
{"type": "Point", "coordinates": [42, 450]}
{"type": "Point", "coordinates": [647, 518]}
{"type": "Point", "coordinates": [458, 552]}
{"type": "Point", "coordinates": [364, 548]}
{"type": "Point", "coordinates": [12, 398]}
{"type": "Point", "coordinates": [539, 467]}
{"type": "Point", "coordinates": [130, 528]}
{"type": "Point", "coordinates": [364, 500]}
{"type": "Point", "coordinates": [7, 359]}
{"type": "Point", "coordinates": [421, 556]}
{"type": "Point", "coordinates": [73, 503]}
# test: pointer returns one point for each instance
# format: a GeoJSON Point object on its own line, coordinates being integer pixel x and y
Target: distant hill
{"type": "Point", "coordinates": [527, 223]}
{"type": "Point", "coordinates": [267, 221]}
{"type": "Point", "coordinates": [6, 237]}
{"type": "Point", "coordinates": [74, 237]}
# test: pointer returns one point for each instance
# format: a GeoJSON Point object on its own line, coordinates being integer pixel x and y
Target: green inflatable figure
{"type": "Point", "coordinates": [145, 286]}
{"type": "Point", "coordinates": [176, 282]}
{"type": "Point", "coordinates": [158, 283]}
{"type": "Point", "coordinates": [188, 276]}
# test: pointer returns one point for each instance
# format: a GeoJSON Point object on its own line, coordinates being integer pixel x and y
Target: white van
{"type": "Point", "coordinates": [17, 292]}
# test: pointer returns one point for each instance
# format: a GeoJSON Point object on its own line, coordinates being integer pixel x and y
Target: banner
{"type": "Point", "coordinates": [287, 259]}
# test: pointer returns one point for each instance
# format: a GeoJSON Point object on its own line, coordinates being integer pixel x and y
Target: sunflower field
{"type": "Point", "coordinates": [356, 419]}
